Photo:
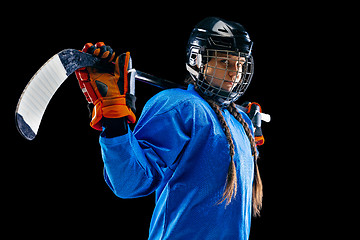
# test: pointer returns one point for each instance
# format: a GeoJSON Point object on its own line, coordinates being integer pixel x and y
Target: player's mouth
{"type": "Point", "coordinates": [228, 83]}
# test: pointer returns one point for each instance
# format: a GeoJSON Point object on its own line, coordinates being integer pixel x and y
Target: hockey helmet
{"type": "Point", "coordinates": [220, 41]}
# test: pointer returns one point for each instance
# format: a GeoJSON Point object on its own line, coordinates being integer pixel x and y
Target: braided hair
{"type": "Point", "coordinates": [231, 178]}
{"type": "Point", "coordinates": [257, 192]}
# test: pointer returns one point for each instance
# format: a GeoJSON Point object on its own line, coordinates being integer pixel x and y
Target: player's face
{"type": "Point", "coordinates": [224, 70]}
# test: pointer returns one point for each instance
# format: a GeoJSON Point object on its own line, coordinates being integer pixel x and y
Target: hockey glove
{"type": "Point", "coordinates": [253, 111]}
{"type": "Point", "coordinates": [111, 93]}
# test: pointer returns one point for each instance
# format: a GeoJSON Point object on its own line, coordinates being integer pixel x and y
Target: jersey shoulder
{"type": "Point", "coordinates": [170, 99]}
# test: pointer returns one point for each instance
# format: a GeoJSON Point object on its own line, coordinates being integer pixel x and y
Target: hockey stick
{"type": "Point", "coordinates": [43, 85]}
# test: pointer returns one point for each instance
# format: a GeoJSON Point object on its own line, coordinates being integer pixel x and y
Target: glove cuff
{"type": "Point", "coordinates": [110, 108]}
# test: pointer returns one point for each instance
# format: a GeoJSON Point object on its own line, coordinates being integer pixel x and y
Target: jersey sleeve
{"type": "Point", "coordinates": [137, 162]}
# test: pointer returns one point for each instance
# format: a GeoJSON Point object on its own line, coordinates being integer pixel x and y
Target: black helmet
{"type": "Point", "coordinates": [221, 40]}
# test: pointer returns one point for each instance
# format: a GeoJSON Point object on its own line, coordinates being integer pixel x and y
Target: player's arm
{"type": "Point", "coordinates": [127, 170]}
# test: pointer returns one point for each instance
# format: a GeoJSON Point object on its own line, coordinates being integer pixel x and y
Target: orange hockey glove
{"type": "Point", "coordinates": [253, 110]}
{"type": "Point", "coordinates": [111, 93]}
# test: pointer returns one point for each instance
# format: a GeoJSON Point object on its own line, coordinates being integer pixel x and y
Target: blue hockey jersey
{"type": "Point", "coordinates": [179, 150]}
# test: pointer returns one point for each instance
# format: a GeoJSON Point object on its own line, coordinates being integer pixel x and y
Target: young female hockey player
{"type": "Point", "coordinates": [193, 147]}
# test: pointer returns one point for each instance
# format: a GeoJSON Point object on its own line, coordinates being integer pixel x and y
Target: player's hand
{"type": "Point", "coordinates": [100, 50]}
{"type": "Point", "coordinates": [113, 94]}
{"type": "Point", "coordinates": [253, 111]}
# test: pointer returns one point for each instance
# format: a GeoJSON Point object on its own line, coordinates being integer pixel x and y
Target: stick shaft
{"type": "Point", "coordinates": [156, 81]}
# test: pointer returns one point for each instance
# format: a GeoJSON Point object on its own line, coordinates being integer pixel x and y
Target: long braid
{"type": "Point", "coordinates": [257, 193]}
{"type": "Point", "coordinates": [231, 178]}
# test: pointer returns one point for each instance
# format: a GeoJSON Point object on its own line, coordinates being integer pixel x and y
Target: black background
{"type": "Point", "coordinates": [54, 184]}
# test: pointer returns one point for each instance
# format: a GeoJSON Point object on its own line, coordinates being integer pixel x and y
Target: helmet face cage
{"type": "Point", "coordinates": [217, 68]}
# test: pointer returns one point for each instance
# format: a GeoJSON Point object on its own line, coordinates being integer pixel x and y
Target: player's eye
{"type": "Point", "coordinates": [225, 61]}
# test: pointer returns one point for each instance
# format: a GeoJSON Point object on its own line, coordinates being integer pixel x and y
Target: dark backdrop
{"type": "Point", "coordinates": [54, 184]}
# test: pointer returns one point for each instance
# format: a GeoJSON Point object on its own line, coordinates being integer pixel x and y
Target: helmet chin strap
{"type": "Point", "coordinates": [222, 97]}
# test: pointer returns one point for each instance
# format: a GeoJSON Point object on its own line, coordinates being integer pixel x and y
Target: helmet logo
{"type": "Point", "coordinates": [223, 29]}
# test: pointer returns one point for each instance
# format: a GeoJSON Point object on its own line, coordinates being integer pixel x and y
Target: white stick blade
{"type": "Point", "coordinates": [37, 95]}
